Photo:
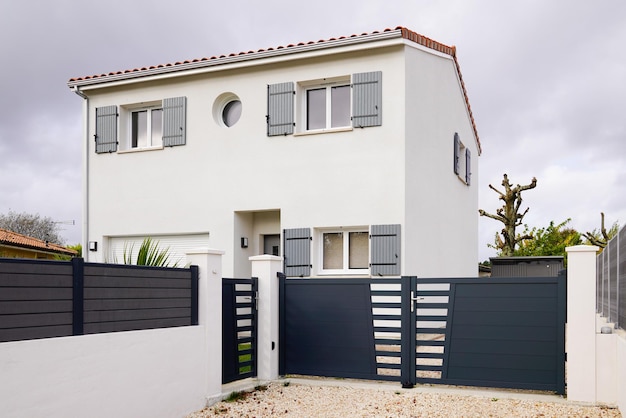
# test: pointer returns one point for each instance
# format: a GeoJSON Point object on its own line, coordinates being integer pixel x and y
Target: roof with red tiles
{"type": "Point", "coordinates": [399, 31]}
{"type": "Point", "coordinates": [23, 241]}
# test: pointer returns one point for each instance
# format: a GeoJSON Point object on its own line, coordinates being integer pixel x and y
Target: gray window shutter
{"type": "Point", "coordinates": [297, 251]}
{"type": "Point", "coordinates": [106, 129]}
{"type": "Point", "coordinates": [457, 153]}
{"type": "Point", "coordinates": [385, 250]}
{"type": "Point", "coordinates": [468, 166]}
{"type": "Point", "coordinates": [174, 121]}
{"type": "Point", "coordinates": [367, 99]}
{"type": "Point", "coordinates": [279, 116]}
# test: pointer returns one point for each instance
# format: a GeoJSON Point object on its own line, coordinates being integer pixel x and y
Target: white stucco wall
{"type": "Point", "coordinates": [340, 179]}
{"type": "Point", "coordinates": [105, 375]}
{"type": "Point", "coordinates": [442, 219]}
{"type": "Point", "coordinates": [621, 373]}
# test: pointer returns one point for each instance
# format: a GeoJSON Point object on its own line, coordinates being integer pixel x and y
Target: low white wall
{"type": "Point", "coordinates": [149, 373]}
{"type": "Point", "coordinates": [167, 372]}
{"type": "Point", "coordinates": [621, 372]}
{"type": "Point", "coordinates": [611, 367]}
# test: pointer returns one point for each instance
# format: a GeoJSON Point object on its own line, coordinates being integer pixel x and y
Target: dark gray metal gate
{"type": "Point", "coordinates": [327, 328]}
{"type": "Point", "coordinates": [239, 328]}
{"type": "Point", "coordinates": [505, 332]}
{"type": "Point", "coordinates": [498, 332]}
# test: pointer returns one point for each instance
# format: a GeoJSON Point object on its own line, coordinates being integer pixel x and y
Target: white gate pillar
{"type": "Point", "coordinates": [209, 264]}
{"type": "Point", "coordinates": [266, 267]}
{"type": "Point", "coordinates": [580, 338]}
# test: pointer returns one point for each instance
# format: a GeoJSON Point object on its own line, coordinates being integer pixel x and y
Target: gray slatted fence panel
{"type": "Point", "coordinates": [621, 283]}
{"type": "Point", "coordinates": [612, 250]}
{"type": "Point", "coordinates": [35, 299]}
{"type": "Point", "coordinates": [599, 269]}
{"type": "Point", "coordinates": [123, 298]}
{"type": "Point", "coordinates": [605, 283]}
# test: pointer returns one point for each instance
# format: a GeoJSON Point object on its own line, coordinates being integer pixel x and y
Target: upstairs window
{"type": "Point", "coordinates": [324, 104]}
{"type": "Point", "coordinates": [150, 125]}
{"type": "Point", "coordinates": [146, 128]}
{"type": "Point", "coordinates": [462, 160]}
{"type": "Point", "coordinates": [328, 107]}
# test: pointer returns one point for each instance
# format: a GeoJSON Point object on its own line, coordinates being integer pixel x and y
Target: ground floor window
{"type": "Point", "coordinates": [345, 251]}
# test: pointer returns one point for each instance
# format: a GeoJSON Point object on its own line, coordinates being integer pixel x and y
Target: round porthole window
{"type": "Point", "coordinates": [227, 109]}
{"type": "Point", "coordinates": [231, 113]}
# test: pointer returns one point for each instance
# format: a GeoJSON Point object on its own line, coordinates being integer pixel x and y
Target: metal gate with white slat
{"type": "Point", "coordinates": [490, 332]}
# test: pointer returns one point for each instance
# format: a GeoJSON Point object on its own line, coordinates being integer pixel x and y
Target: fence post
{"type": "Point", "coordinates": [78, 295]}
{"type": "Point", "coordinates": [266, 268]}
{"type": "Point", "coordinates": [194, 294]}
{"type": "Point", "coordinates": [209, 264]}
{"type": "Point", "coordinates": [407, 333]}
{"type": "Point", "coordinates": [581, 323]}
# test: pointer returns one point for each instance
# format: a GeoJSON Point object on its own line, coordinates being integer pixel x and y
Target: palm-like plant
{"type": "Point", "coordinates": [149, 254]}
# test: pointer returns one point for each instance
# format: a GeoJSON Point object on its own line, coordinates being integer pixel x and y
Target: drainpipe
{"type": "Point", "coordinates": [85, 235]}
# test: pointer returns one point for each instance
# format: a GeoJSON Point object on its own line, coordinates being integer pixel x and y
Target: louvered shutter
{"type": "Point", "coordinates": [297, 251]}
{"type": "Point", "coordinates": [385, 250]}
{"type": "Point", "coordinates": [367, 99]}
{"type": "Point", "coordinates": [468, 166]}
{"type": "Point", "coordinates": [174, 121]}
{"type": "Point", "coordinates": [279, 116]}
{"type": "Point", "coordinates": [106, 129]}
{"type": "Point", "coordinates": [457, 153]}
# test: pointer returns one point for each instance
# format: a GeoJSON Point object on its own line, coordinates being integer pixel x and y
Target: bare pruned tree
{"type": "Point", "coordinates": [509, 214]}
{"type": "Point", "coordinates": [602, 237]}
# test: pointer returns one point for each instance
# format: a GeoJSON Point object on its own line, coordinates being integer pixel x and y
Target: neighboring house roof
{"type": "Point", "coordinates": [398, 32]}
{"type": "Point", "coordinates": [13, 239]}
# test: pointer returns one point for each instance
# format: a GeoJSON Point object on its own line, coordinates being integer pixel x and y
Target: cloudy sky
{"type": "Point", "coordinates": [546, 81]}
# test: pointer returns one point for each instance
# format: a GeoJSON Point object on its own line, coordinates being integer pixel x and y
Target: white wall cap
{"type": "Point", "coordinates": [197, 251]}
{"type": "Point", "coordinates": [582, 249]}
{"type": "Point", "coordinates": [265, 257]}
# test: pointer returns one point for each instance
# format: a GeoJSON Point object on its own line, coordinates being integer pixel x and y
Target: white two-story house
{"type": "Point", "coordinates": [347, 156]}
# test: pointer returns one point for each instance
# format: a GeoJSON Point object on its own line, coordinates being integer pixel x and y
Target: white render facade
{"type": "Point", "coordinates": [353, 156]}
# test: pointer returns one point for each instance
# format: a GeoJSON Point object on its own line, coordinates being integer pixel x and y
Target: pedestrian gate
{"type": "Point", "coordinates": [490, 332]}
{"type": "Point", "coordinates": [239, 328]}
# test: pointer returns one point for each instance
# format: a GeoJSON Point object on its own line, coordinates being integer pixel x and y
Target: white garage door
{"type": "Point", "coordinates": [177, 245]}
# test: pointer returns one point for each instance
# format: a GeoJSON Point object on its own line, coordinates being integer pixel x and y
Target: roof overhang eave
{"type": "Point", "coordinates": [232, 59]}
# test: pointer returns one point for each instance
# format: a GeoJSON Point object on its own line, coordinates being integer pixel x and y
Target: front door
{"type": "Point", "coordinates": [271, 244]}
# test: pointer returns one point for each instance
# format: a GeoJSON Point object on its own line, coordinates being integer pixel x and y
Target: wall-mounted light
{"type": "Point", "coordinates": [244, 242]}
{"type": "Point", "coordinates": [93, 245]}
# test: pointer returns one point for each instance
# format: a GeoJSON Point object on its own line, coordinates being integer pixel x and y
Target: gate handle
{"type": "Point", "coordinates": [414, 299]}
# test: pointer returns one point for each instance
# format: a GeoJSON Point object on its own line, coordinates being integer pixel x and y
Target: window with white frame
{"type": "Point", "coordinates": [327, 107]}
{"type": "Point", "coordinates": [462, 160]}
{"type": "Point", "coordinates": [146, 128]}
{"type": "Point", "coordinates": [345, 251]}
{"type": "Point", "coordinates": [323, 105]}
{"type": "Point", "coordinates": [152, 125]}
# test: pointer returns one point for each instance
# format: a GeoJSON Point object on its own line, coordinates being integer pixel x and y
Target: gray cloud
{"type": "Point", "coordinates": [545, 80]}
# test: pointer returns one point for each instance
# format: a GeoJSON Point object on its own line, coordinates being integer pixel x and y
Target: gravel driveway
{"type": "Point", "coordinates": [346, 398]}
